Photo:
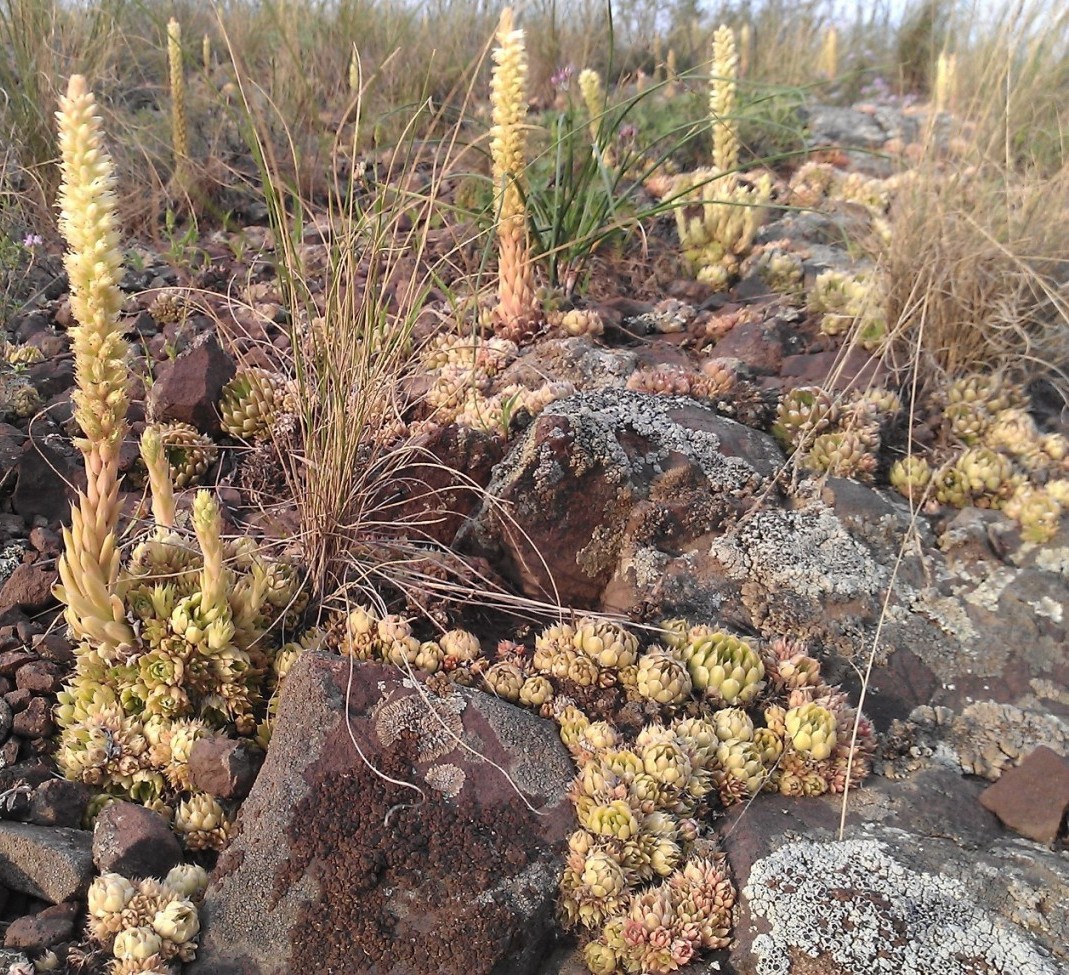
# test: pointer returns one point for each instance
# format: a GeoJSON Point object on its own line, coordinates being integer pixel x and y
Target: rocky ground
{"type": "Point", "coordinates": [640, 495]}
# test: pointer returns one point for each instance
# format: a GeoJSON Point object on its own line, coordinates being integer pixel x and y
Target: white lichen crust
{"type": "Point", "coordinates": [852, 902]}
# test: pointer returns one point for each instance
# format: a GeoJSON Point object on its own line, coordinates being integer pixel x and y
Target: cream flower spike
{"type": "Point", "coordinates": [89, 567]}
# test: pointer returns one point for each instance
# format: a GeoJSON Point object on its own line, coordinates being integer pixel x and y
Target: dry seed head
{"type": "Point", "coordinates": [944, 94]}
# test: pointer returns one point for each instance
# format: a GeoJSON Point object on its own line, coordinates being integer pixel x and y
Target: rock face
{"type": "Point", "coordinates": [434, 863]}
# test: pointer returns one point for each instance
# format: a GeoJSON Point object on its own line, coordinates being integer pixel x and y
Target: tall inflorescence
{"type": "Point", "coordinates": [179, 130]}
{"type": "Point", "coordinates": [517, 309]}
{"type": "Point", "coordinates": [946, 76]}
{"type": "Point", "coordinates": [89, 566]}
{"type": "Point", "coordinates": [829, 54]}
{"type": "Point", "coordinates": [723, 212]}
{"type": "Point", "coordinates": [722, 99]}
{"type": "Point", "coordinates": [593, 92]}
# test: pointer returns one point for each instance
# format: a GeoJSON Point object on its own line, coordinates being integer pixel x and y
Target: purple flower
{"type": "Point", "coordinates": [561, 77]}
{"type": "Point", "coordinates": [628, 133]}
{"type": "Point", "coordinates": [30, 241]}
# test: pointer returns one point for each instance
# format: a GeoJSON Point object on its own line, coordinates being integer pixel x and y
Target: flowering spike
{"type": "Point", "coordinates": [517, 303]}
{"type": "Point", "coordinates": [89, 566]}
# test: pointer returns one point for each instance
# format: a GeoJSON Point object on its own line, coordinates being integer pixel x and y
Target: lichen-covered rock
{"type": "Point", "coordinates": [862, 908]}
{"type": "Point", "coordinates": [376, 840]}
{"type": "Point", "coordinates": [598, 474]}
{"type": "Point", "coordinates": [925, 881]}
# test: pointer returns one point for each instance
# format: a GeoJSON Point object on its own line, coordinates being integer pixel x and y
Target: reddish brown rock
{"type": "Point", "coordinates": [188, 389]}
{"type": "Point", "coordinates": [12, 660]}
{"type": "Point", "coordinates": [757, 344]}
{"type": "Point", "coordinates": [857, 370]}
{"type": "Point", "coordinates": [440, 488]}
{"type": "Point", "coordinates": [223, 767]}
{"type": "Point", "coordinates": [29, 587]}
{"type": "Point", "coordinates": [1032, 798]}
{"type": "Point", "coordinates": [59, 802]}
{"type": "Point", "coordinates": [39, 677]}
{"type": "Point", "coordinates": [134, 841]}
{"type": "Point", "coordinates": [34, 932]}
{"type": "Point", "coordinates": [599, 474]}
{"type": "Point", "coordinates": [55, 647]}
{"type": "Point", "coordinates": [35, 721]}
{"type": "Point", "coordinates": [433, 864]}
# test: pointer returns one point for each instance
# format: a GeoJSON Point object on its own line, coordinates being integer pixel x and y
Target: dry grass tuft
{"type": "Point", "coordinates": [978, 272]}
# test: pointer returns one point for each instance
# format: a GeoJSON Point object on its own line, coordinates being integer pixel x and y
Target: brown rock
{"type": "Point", "coordinates": [40, 677]}
{"type": "Point", "coordinates": [1032, 798]}
{"type": "Point", "coordinates": [134, 841]}
{"type": "Point", "coordinates": [29, 587]}
{"type": "Point", "coordinates": [600, 473]}
{"type": "Point", "coordinates": [12, 660]}
{"type": "Point", "coordinates": [46, 541]}
{"type": "Point", "coordinates": [50, 862]}
{"type": "Point", "coordinates": [59, 802]}
{"type": "Point", "coordinates": [188, 389]}
{"type": "Point", "coordinates": [757, 344]}
{"type": "Point", "coordinates": [19, 699]}
{"type": "Point", "coordinates": [223, 767]}
{"type": "Point", "coordinates": [55, 647]}
{"type": "Point", "coordinates": [36, 720]}
{"type": "Point", "coordinates": [46, 928]}
{"type": "Point", "coordinates": [459, 877]}
{"type": "Point", "coordinates": [858, 369]}
{"type": "Point", "coordinates": [9, 753]}
{"type": "Point", "coordinates": [47, 465]}
{"type": "Point", "coordinates": [445, 496]}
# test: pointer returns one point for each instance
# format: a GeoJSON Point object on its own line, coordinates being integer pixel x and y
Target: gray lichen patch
{"type": "Point", "coordinates": [598, 418]}
{"type": "Point", "coordinates": [989, 737]}
{"type": "Point", "coordinates": [806, 552]}
{"type": "Point", "coordinates": [435, 722]}
{"type": "Point", "coordinates": [867, 912]}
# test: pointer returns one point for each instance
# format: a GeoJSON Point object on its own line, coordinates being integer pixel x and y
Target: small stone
{"type": "Point", "coordinates": [6, 719]}
{"type": "Point", "coordinates": [46, 541]}
{"type": "Point", "coordinates": [1032, 798]}
{"type": "Point", "coordinates": [12, 660]}
{"type": "Point", "coordinates": [9, 753]}
{"type": "Point", "coordinates": [18, 700]}
{"type": "Point", "coordinates": [54, 647]}
{"type": "Point", "coordinates": [29, 587]}
{"type": "Point", "coordinates": [59, 802]}
{"type": "Point", "coordinates": [40, 677]}
{"type": "Point", "coordinates": [44, 929]}
{"type": "Point", "coordinates": [188, 388]}
{"type": "Point", "coordinates": [134, 841]}
{"type": "Point", "coordinates": [222, 767]}
{"type": "Point", "coordinates": [53, 863]}
{"type": "Point", "coordinates": [36, 720]}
